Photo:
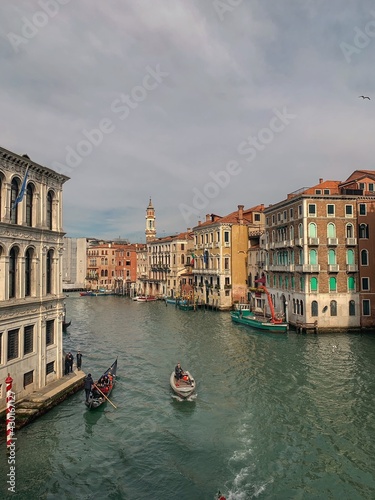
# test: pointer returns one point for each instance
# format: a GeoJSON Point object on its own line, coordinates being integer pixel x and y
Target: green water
{"type": "Point", "coordinates": [275, 417]}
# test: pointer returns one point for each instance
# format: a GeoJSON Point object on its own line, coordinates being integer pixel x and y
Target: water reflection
{"type": "Point", "coordinates": [91, 418]}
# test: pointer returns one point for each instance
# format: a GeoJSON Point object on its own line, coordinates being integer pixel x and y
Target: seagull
{"type": "Point", "coordinates": [364, 97]}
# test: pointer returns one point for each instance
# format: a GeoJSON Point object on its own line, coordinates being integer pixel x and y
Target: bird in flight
{"type": "Point", "coordinates": [364, 97]}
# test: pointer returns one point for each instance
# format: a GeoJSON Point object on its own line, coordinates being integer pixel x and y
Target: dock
{"type": "Point", "coordinates": [307, 327]}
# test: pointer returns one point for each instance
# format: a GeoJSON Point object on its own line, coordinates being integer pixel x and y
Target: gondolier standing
{"type": "Point", "coordinates": [88, 386]}
{"type": "Point", "coordinates": [79, 360]}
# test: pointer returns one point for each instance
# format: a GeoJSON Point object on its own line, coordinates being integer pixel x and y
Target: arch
{"type": "Point", "coordinates": [350, 256]}
{"type": "Point", "coordinates": [29, 204]}
{"type": "Point", "coordinates": [313, 284]}
{"type": "Point", "coordinates": [314, 308]}
{"type": "Point", "coordinates": [363, 231]}
{"type": "Point", "coordinates": [351, 308]}
{"type": "Point", "coordinates": [331, 256]}
{"type": "Point", "coordinates": [313, 256]}
{"type": "Point", "coordinates": [300, 230]}
{"type": "Point", "coordinates": [49, 209]}
{"type": "Point", "coordinates": [29, 254]}
{"type": "Point", "coordinates": [351, 284]}
{"type": "Point", "coordinates": [333, 308]}
{"type": "Point", "coordinates": [349, 230]}
{"type": "Point", "coordinates": [49, 271]}
{"type": "Point", "coordinates": [332, 284]}
{"type": "Point", "coordinates": [331, 230]}
{"type": "Point", "coordinates": [313, 232]}
{"type": "Point", "coordinates": [14, 190]}
{"type": "Point", "coordinates": [364, 257]}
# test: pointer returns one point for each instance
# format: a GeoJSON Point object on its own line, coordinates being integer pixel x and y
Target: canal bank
{"type": "Point", "coordinates": [41, 401]}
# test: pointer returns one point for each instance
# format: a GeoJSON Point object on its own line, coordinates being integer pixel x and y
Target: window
{"type": "Point", "coordinates": [332, 284]}
{"type": "Point", "coordinates": [365, 284]}
{"type": "Point", "coordinates": [299, 210]}
{"type": "Point", "coordinates": [49, 272]}
{"type": "Point", "coordinates": [331, 257]}
{"type": "Point", "coordinates": [331, 230]}
{"type": "Point", "coordinates": [50, 331]}
{"type": "Point", "coordinates": [333, 308]}
{"type": "Point", "coordinates": [350, 257]}
{"type": "Point", "coordinates": [351, 308]}
{"type": "Point", "coordinates": [28, 339]}
{"type": "Point", "coordinates": [300, 231]}
{"type": "Point", "coordinates": [349, 210]}
{"type": "Point", "coordinates": [314, 308]}
{"type": "Point", "coordinates": [28, 378]}
{"type": "Point", "coordinates": [256, 217]}
{"type": "Point", "coordinates": [313, 257]}
{"type": "Point", "coordinates": [330, 210]}
{"type": "Point", "coordinates": [363, 231]}
{"type": "Point", "coordinates": [312, 209]}
{"type": "Point", "coordinates": [291, 213]}
{"type": "Point", "coordinates": [318, 191]}
{"type": "Point", "coordinates": [326, 191]}
{"type": "Point", "coordinates": [13, 272]}
{"type": "Point", "coordinates": [349, 231]}
{"type": "Point", "coordinates": [49, 209]}
{"type": "Point", "coordinates": [366, 309]}
{"type": "Point", "coordinates": [362, 185]}
{"type": "Point", "coordinates": [314, 284]}
{"type": "Point", "coordinates": [351, 284]}
{"type": "Point", "coordinates": [50, 367]}
{"type": "Point", "coordinates": [371, 186]}
{"type": "Point", "coordinates": [13, 344]}
{"type": "Point", "coordinates": [13, 197]}
{"type": "Point", "coordinates": [362, 209]}
{"type": "Point", "coordinates": [364, 257]}
{"type": "Point", "coordinates": [226, 236]}
{"type": "Point", "coordinates": [312, 230]}
{"type": "Point", "coordinates": [226, 263]}
{"type": "Point", "coordinates": [29, 205]}
{"type": "Point", "coordinates": [28, 258]}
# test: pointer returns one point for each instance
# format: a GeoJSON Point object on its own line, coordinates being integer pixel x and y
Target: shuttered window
{"type": "Point", "coordinates": [28, 378]}
{"type": "Point", "coordinates": [50, 367]}
{"type": "Point", "coordinates": [28, 339]}
{"type": "Point", "coordinates": [50, 332]}
{"type": "Point", "coordinates": [13, 344]}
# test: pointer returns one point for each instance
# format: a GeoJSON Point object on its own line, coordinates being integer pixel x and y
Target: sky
{"type": "Point", "coordinates": [202, 105]}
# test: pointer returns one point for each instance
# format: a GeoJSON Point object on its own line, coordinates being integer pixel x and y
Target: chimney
{"type": "Point", "coordinates": [208, 217]}
{"type": "Point", "coordinates": [240, 214]}
{"type": "Point", "coordinates": [320, 181]}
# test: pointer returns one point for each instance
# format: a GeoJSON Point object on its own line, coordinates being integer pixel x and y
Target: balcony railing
{"type": "Point", "coordinates": [333, 268]}
{"type": "Point", "coordinates": [314, 242]}
{"type": "Point", "coordinates": [298, 242]}
{"type": "Point", "coordinates": [351, 242]}
{"type": "Point", "coordinates": [332, 241]}
{"type": "Point", "coordinates": [351, 268]}
{"type": "Point", "coordinates": [307, 268]}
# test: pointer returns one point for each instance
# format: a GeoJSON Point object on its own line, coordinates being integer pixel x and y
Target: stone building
{"type": "Point", "coordinates": [74, 266]}
{"type": "Point", "coordinates": [319, 254]}
{"type": "Point", "coordinates": [31, 299]}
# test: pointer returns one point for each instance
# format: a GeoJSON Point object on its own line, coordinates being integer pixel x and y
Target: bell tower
{"type": "Point", "coordinates": [150, 223]}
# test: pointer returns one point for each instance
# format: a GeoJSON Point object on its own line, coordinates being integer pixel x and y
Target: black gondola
{"type": "Point", "coordinates": [100, 393]}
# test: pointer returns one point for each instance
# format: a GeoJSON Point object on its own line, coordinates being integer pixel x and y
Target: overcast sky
{"type": "Point", "coordinates": [201, 104]}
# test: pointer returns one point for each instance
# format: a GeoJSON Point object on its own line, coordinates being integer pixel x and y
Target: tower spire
{"type": "Point", "coordinates": [150, 222]}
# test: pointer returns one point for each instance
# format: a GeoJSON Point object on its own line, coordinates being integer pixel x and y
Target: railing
{"type": "Point", "coordinates": [314, 242]}
{"type": "Point", "coordinates": [299, 242]}
{"type": "Point", "coordinates": [332, 241]}
{"type": "Point", "coordinates": [333, 268]}
{"type": "Point", "coordinates": [351, 242]}
{"type": "Point", "coordinates": [351, 268]}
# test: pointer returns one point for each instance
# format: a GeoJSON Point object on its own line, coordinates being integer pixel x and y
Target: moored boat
{"type": "Point", "coordinates": [146, 298]}
{"type": "Point", "coordinates": [248, 318]}
{"type": "Point", "coordinates": [184, 387]}
{"type": "Point", "coordinates": [101, 390]}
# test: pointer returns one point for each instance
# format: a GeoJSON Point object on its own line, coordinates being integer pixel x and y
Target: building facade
{"type": "Point", "coordinates": [31, 299]}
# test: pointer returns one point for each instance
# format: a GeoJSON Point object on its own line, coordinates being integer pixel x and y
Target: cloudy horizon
{"type": "Point", "coordinates": [201, 106]}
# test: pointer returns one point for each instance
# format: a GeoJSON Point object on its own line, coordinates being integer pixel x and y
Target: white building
{"type": "Point", "coordinates": [31, 299]}
{"type": "Point", "coordinates": [74, 263]}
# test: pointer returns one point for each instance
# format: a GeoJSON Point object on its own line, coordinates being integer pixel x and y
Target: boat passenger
{"type": "Point", "coordinates": [178, 371]}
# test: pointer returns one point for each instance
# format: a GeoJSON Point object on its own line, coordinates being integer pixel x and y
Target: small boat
{"type": "Point", "coordinates": [100, 393]}
{"type": "Point", "coordinates": [66, 325]}
{"type": "Point", "coordinates": [146, 298]}
{"type": "Point", "coordinates": [88, 293]}
{"type": "Point", "coordinates": [186, 305]}
{"type": "Point", "coordinates": [184, 387]}
{"type": "Point", "coordinates": [248, 318]}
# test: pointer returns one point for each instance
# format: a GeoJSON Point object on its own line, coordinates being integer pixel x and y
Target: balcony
{"type": "Point", "coordinates": [351, 242]}
{"type": "Point", "coordinates": [314, 242]}
{"type": "Point", "coordinates": [298, 242]}
{"type": "Point", "coordinates": [307, 268]}
{"type": "Point", "coordinates": [332, 242]}
{"type": "Point", "coordinates": [333, 268]}
{"type": "Point", "coordinates": [351, 268]}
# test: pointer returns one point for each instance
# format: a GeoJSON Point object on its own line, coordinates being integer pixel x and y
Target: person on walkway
{"type": "Point", "coordinates": [67, 364]}
{"type": "Point", "coordinates": [88, 386]}
{"type": "Point", "coordinates": [79, 360]}
{"type": "Point", "coordinates": [71, 360]}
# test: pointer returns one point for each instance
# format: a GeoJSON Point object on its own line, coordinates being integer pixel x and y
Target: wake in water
{"type": "Point", "coordinates": [193, 397]}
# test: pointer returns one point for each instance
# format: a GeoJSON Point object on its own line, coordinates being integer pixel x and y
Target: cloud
{"type": "Point", "coordinates": [225, 76]}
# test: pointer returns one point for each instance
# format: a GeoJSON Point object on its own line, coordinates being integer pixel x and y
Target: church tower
{"type": "Point", "coordinates": [150, 223]}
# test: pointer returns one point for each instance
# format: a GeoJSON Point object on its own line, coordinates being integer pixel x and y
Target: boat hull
{"type": "Point", "coordinates": [249, 319]}
{"type": "Point", "coordinates": [97, 400]}
{"type": "Point", "coordinates": [182, 388]}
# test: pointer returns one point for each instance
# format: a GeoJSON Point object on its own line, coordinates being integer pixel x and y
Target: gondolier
{"type": "Point", "coordinates": [88, 386]}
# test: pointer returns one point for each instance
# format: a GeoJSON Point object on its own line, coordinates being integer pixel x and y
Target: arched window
{"type": "Point", "coordinates": [331, 256]}
{"type": "Point", "coordinates": [312, 230]}
{"type": "Point", "coordinates": [350, 256]}
{"type": "Point", "coordinates": [363, 231]}
{"type": "Point", "coordinates": [351, 308]}
{"type": "Point", "coordinates": [294, 306]}
{"type": "Point", "coordinates": [302, 283]}
{"type": "Point", "coordinates": [182, 259]}
{"type": "Point", "coordinates": [314, 308]}
{"type": "Point", "coordinates": [351, 284]}
{"type": "Point", "coordinates": [349, 231]}
{"type": "Point", "coordinates": [13, 196]}
{"type": "Point", "coordinates": [333, 308]}
{"type": "Point", "coordinates": [102, 273]}
{"type": "Point", "coordinates": [291, 232]}
{"type": "Point", "coordinates": [301, 307]}
{"type": "Point", "coordinates": [49, 262]}
{"type": "Point", "coordinates": [313, 284]}
{"type": "Point", "coordinates": [332, 284]}
{"type": "Point", "coordinates": [300, 231]}
{"type": "Point", "coordinates": [364, 257]}
{"type": "Point", "coordinates": [28, 276]}
{"type": "Point", "coordinates": [29, 205]}
{"type": "Point", "coordinates": [331, 230]}
{"type": "Point", "coordinates": [49, 213]}
{"type": "Point", "coordinates": [13, 254]}
{"type": "Point", "coordinates": [313, 257]}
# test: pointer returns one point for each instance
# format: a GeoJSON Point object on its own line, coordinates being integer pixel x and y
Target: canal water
{"type": "Point", "coordinates": [274, 417]}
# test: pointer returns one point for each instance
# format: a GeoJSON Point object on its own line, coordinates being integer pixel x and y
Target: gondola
{"type": "Point", "coordinates": [99, 394]}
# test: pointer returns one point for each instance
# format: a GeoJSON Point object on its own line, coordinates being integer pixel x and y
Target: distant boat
{"type": "Point", "coordinates": [248, 318]}
{"type": "Point", "coordinates": [66, 325]}
{"type": "Point", "coordinates": [88, 293]}
{"type": "Point", "coordinates": [146, 298]}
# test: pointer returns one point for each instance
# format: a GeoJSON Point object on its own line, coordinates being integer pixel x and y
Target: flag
{"type": "Point", "coordinates": [192, 259]}
{"type": "Point", "coordinates": [22, 190]}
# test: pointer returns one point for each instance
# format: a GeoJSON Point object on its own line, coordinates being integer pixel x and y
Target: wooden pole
{"type": "Point", "coordinates": [102, 393]}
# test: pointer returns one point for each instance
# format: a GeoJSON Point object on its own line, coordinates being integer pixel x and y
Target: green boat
{"type": "Point", "coordinates": [248, 318]}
